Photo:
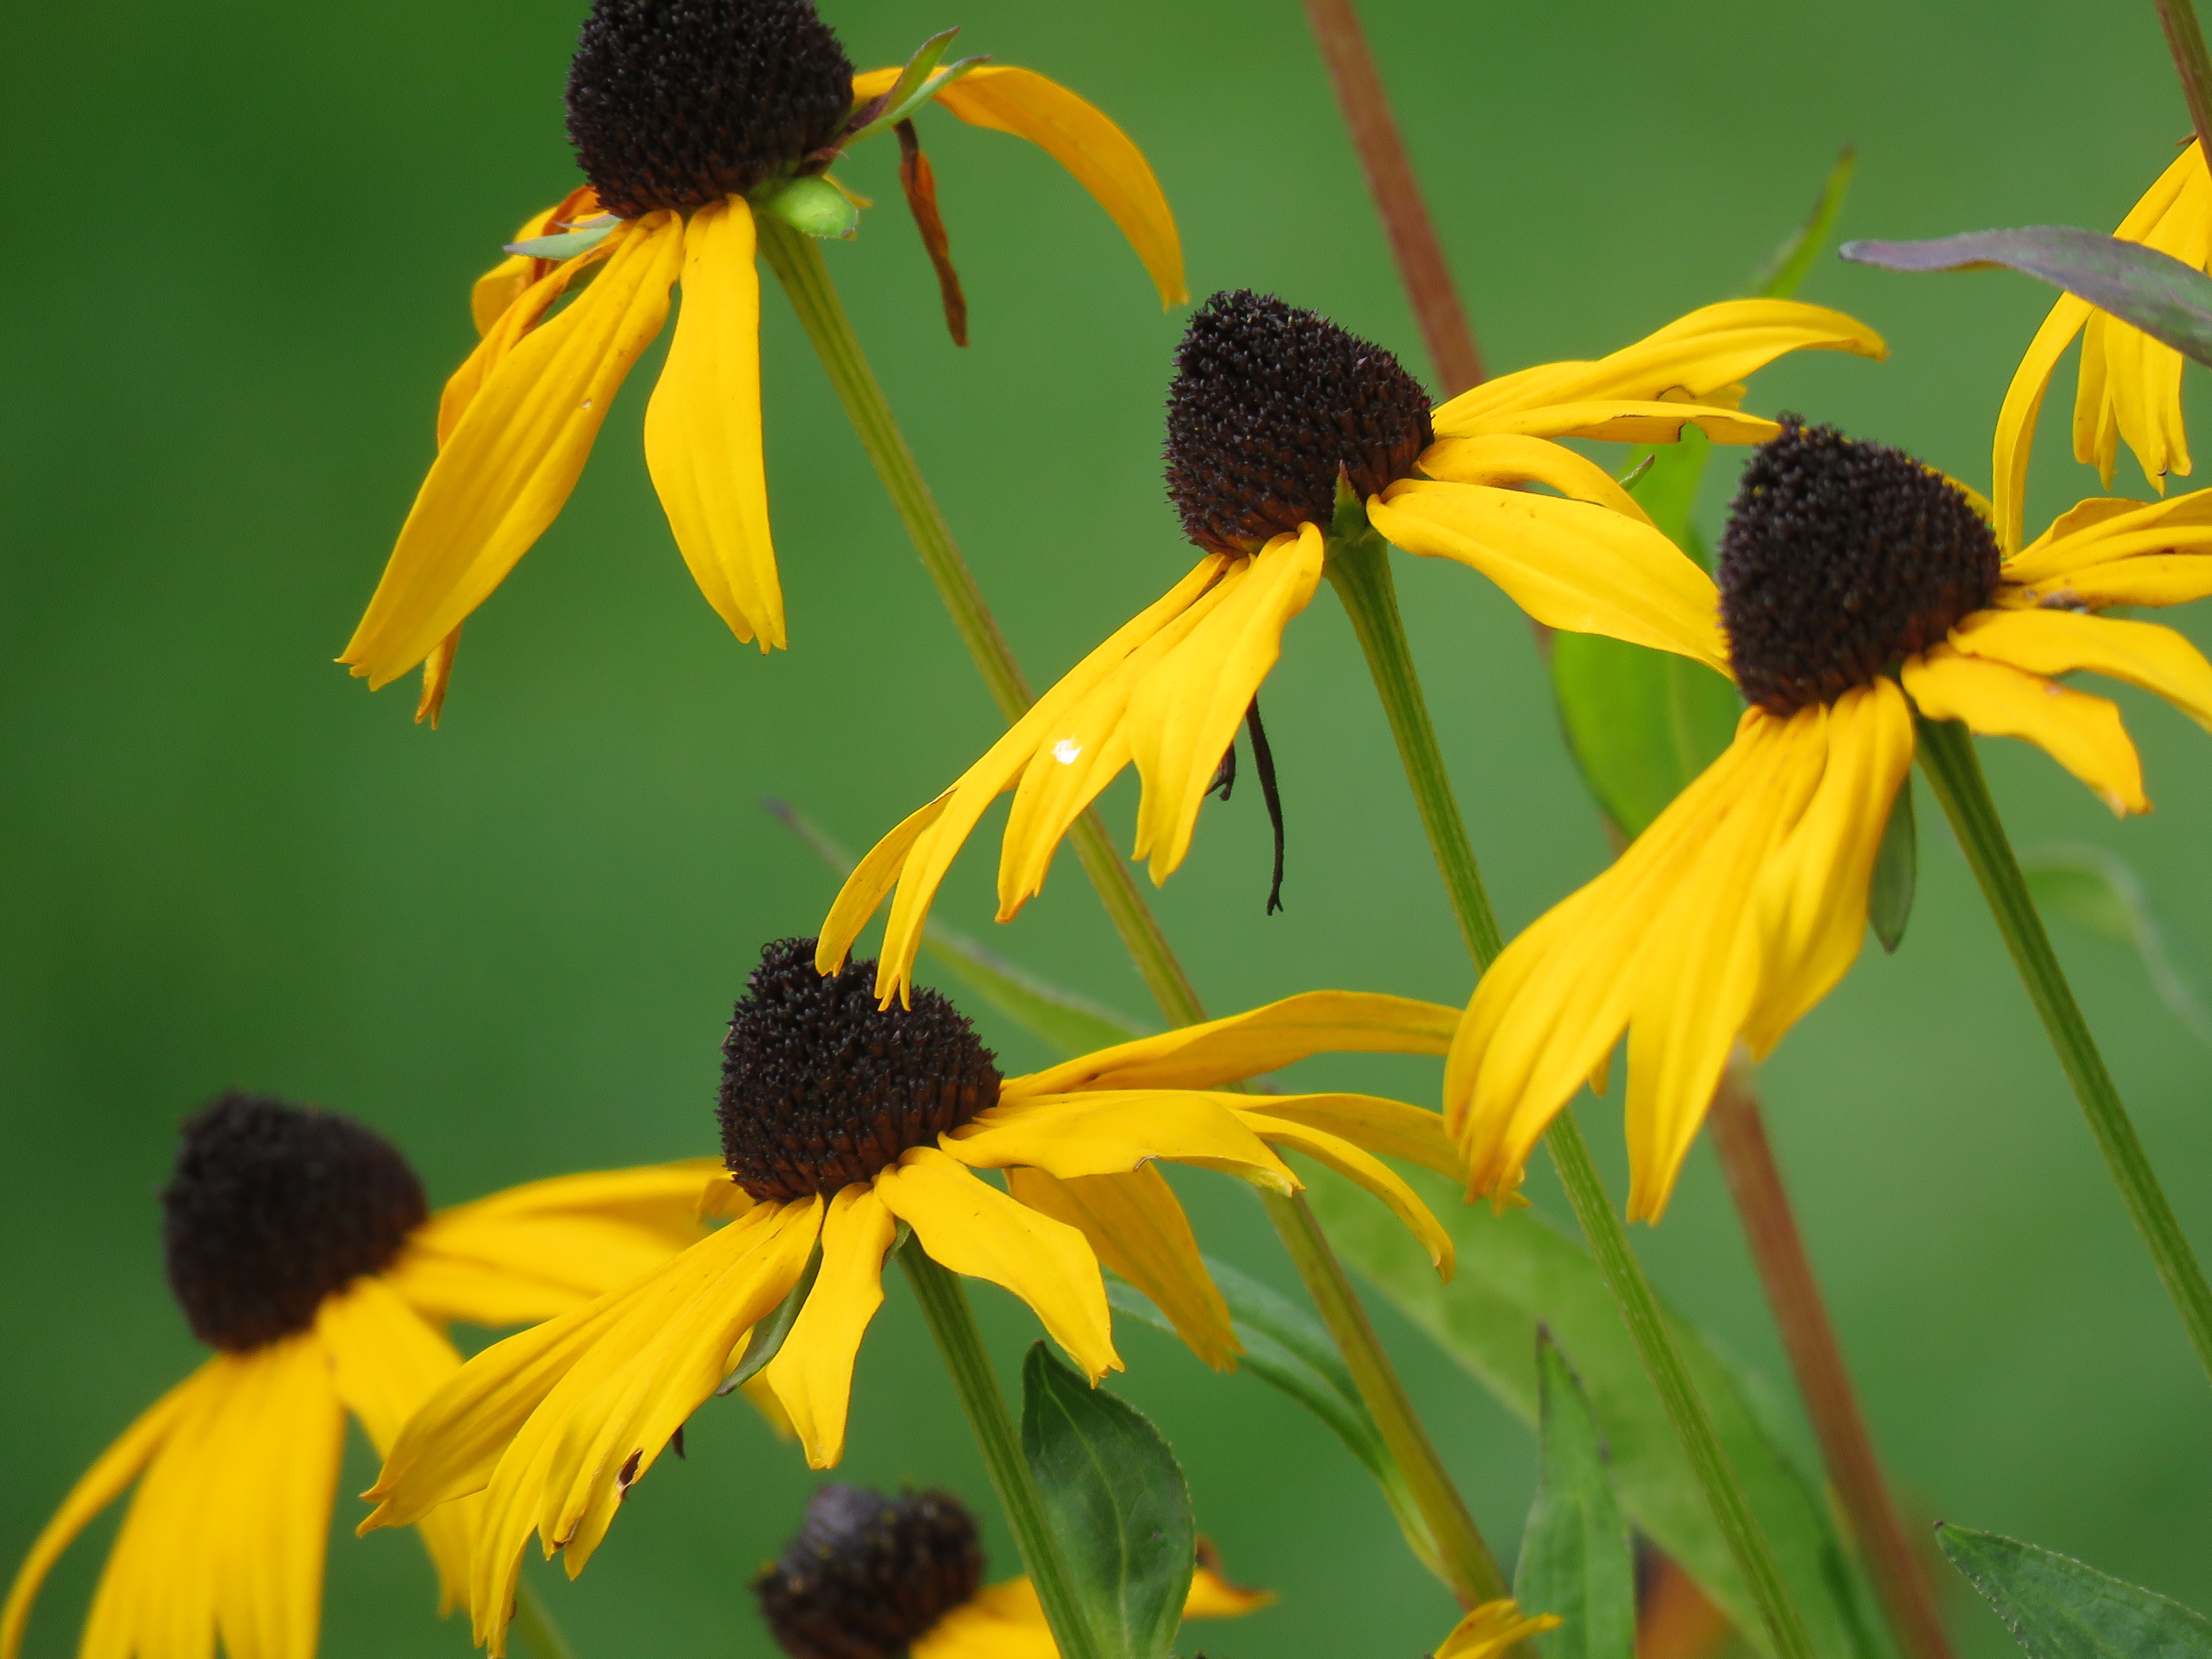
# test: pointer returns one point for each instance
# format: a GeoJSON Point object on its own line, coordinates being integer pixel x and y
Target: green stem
{"type": "Point", "coordinates": [2186, 42]}
{"type": "Point", "coordinates": [797, 261]}
{"type": "Point", "coordinates": [1947, 754]}
{"type": "Point", "coordinates": [944, 1302]}
{"type": "Point", "coordinates": [533, 1622]}
{"type": "Point", "coordinates": [1358, 565]}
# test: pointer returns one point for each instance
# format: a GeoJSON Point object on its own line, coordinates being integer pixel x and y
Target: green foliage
{"type": "Point", "coordinates": [2097, 891]}
{"type": "Point", "coordinates": [1896, 871]}
{"type": "Point", "coordinates": [2058, 1609]}
{"type": "Point", "coordinates": [1575, 1556]}
{"type": "Point", "coordinates": [1116, 1501]}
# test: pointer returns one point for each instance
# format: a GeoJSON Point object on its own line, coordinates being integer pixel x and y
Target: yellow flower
{"type": "Point", "coordinates": [1490, 1629]}
{"type": "Point", "coordinates": [684, 131]}
{"type": "Point", "coordinates": [2129, 386]}
{"type": "Point", "coordinates": [871, 1574]}
{"type": "Point", "coordinates": [1846, 568]}
{"type": "Point", "coordinates": [1270, 407]}
{"type": "Point", "coordinates": [300, 1247]}
{"type": "Point", "coordinates": [842, 1120]}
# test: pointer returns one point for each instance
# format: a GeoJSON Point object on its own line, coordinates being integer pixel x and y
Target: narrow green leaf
{"type": "Point", "coordinates": [813, 207]}
{"type": "Point", "coordinates": [2168, 300]}
{"type": "Point", "coordinates": [1896, 871]}
{"type": "Point", "coordinates": [1487, 1322]}
{"type": "Point", "coordinates": [1793, 259]}
{"type": "Point", "coordinates": [768, 1337]}
{"type": "Point", "coordinates": [1641, 724]}
{"type": "Point", "coordinates": [1115, 1500]}
{"type": "Point", "coordinates": [1575, 1556]}
{"type": "Point", "coordinates": [2097, 891]}
{"type": "Point", "coordinates": [566, 244]}
{"type": "Point", "coordinates": [2058, 1609]}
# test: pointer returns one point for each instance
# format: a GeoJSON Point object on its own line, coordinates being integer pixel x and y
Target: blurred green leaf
{"type": "Point", "coordinates": [2097, 891]}
{"type": "Point", "coordinates": [2168, 301]}
{"type": "Point", "coordinates": [1116, 1501]}
{"type": "Point", "coordinates": [1517, 1273]}
{"type": "Point", "coordinates": [1896, 871]}
{"type": "Point", "coordinates": [2058, 1609]}
{"type": "Point", "coordinates": [1793, 259]}
{"type": "Point", "coordinates": [1575, 1556]}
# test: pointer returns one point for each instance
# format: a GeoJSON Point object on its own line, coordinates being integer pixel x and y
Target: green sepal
{"type": "Point", "coordinates": [813, 207]}
{"type": "Point", "coordinates": [1574, 1555]}
{"type": "Point", "coordinates": [2058, 1609]}
{"type": "Point", "coordinates": [1896, 871]}
{"type": "Point", "coordinates": [769, 1336]}
{"type": "Point", "coordinates": [567, 244]}
{"type": "Point", "coordinates": [1115, 1500]}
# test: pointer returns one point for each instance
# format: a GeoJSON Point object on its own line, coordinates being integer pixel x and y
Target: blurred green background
{"type": "Point", "coordinates": [242, 238]}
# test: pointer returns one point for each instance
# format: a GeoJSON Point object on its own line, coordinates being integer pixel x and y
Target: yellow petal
{"type": "Point", "coordinates": [1213, 1596]}
{"type": "Point", "coordinates": [1490, 1630]}
{"type": "Point", "coordinates": [2080, 732]}
{"type": "Point", "coordinates": [1568, 564]}
{"type": "Point", "coordinates": [1376, 1177]}
{"type": "Point", "coordinates": [2142, 653]}
{"type": "Point", "coordinates": [1630, 421]}
{"type": "Point", "coordinates": [437, 679]}
{"type": "Point", "coordinates": [1097, 1134]}
{"type": "Point", "coordinates": [1138, 1229]}
{"type": "Point", "coordinates": [1694, 357]}
{"type": "Point", "coordinates": [2104, 531]}
{"type": "Point", "coordinates": [1506, 459]}
{"type": "Point", "coordinates": [516, 454]}
{"type": "Point", "coordinates": [1389, 1126]}
{"type": "Point", "coordinates": [813, 1372]}
{"type": "Point", "coordinates": [872, 878]}
{"type": "Point", "coordinates": [1002, 1621]}
{"type": "Point", "coordinates": [2023, 403]}
{"type": "Point", "coordinates": [972, 1228]}
{"type": "Point", "coordinates": [507, 282]}
{"type": "Point", "coordinates": [702, 428]}
{"type": "Point", "coordinates": [2155, 579]}
{"type": "Point", "coordinates": [1241, 1046]}
{"type": "Point", "coordinates": [1081, 139]}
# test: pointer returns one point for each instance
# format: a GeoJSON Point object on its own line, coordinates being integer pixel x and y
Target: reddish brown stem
{"type": "Point", "coordinates": [1793, 1295]}
{"type": "Point", "coordinates": [1397, 194]}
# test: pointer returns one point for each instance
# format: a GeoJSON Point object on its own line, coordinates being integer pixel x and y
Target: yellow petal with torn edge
{"type": "Point", "coordinates": [1104, 1133]}
{"type": "Point", "coordinates": [702, 428]}
{"type": "Point", "coordinates": [1376, 1177]}
{"type": "Point", "coordinates": [2102, 529]}
{"type": "Point", "coordinates": [1569, 564]}
{"type": "Point", "coordinates": [2155, 579]}
{"type": "Point", "coordinates": [2082, 733]}
{"type": "Point", "coordinates": [1240, 1046]}
{"type": "Point", "coordinates": [1389, 1126]}
{"type": "Point", "coordinates": [516, 454]}
{"type": "Point", "coordinates": [813, 1372]}
{"type": "Point", "coordinates": [2146, 654]}
{"type": "Point", "coordinates": [972, 1228]}
{"type": "Point", "coordinates": [1138, 1229]}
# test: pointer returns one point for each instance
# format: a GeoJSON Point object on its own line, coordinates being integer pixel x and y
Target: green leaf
{"type": "Point", "coordinates": [2168, 300]}
{"type": "Point", "coordinates": [1641, 724]}
{"type": "Point", "coordinates": [1115, 1500]}
{"type": "Point", "coordinates": [813, 207]}
{"type": "Point", "coordinates": [768, 1337]}
{"type": "Point", "coordinates": [1575, 1556]}
{"type": "Point", "coordinates": [1486, 1319]}
{"type": "Point", "coordinates": [918, 82]}
{"type": "Point", "coordinates": [2057, 1608]}
{"type": "Point", "coordinates": [566, 244]}
{"type": "Point", "coordinates": [2096, 890]}
{"type": "Point", "coordinates": [1896, 871]}
{"type": "Point", "coordinates": [1793, 259]}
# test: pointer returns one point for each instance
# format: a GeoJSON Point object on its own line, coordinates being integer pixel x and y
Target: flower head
{"type": "Point", "coordinates": [1273, 411]}
{"type": "Point", "coordinates": [1856, 584]}
{"type": "Point", "coordinates": [841, 1119]}
{"type": "Point", "coordinates": [300, 1248]}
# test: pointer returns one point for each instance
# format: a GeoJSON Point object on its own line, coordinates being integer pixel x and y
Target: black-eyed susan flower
{"type": "Point", "coordinates": [1270, 406]}
{"type": "Point", "coordinates": [1855, 583]}
{"type": "Point", "coordinates": [688, 120]}
{"type": "Point", "coordinates": [301, 1250]}
{"type": "Point", "coordinates": [2128, 386]}
{"type": "Point", "coordinates": [869, 1577]}
{"type": "Point", "coordinates": [1493, 1629]}
{"type": "Point", "coordinates": [842, 1121]}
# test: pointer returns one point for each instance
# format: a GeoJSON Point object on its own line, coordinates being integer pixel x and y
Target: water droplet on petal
{"type": "Point", "coordinates": [1066, 750]}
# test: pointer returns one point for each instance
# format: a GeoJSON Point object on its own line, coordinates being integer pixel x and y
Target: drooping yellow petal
{"type": "Point", "coordinates": [1240, 1046]}
{"type": "Point", "coordinates": [1507, 459]}
{"type": "Point", "coordinates": [813, 1373]}
{"type": "Point", "coordinates": [1080, 138]}
{"type": "Point", "coordinates": [1101, 1133]}
{"type": "Point", "coordinates": [1185, 713]}
{"type": "Point", "coordinates": [2082, 733]}
{"type": "Point", "coordinates": [1694, 356]}
{"type": "Point", "coordinates": [2148, 654]}
{"type": "Point", "coordinates": [2104, 531]}
{"type": "Point", "coordinates": [1630, 421]}
{"type": "Point", "coordinates": [865, 889]}
{"type": "Point", "coordinates": [2023, 403]}
{"type": "Point", "coordinates": [516, 454]}
{"type": "Point", "coordinates": [1569, 564]}
{"type": "Point", "coordinates": [1389, 1126]}
{"type": "Point", "coordinates": [1138, 1229]}
{"type": "Point", "coordinates": [972, 1228]}
{"type": "Point", "coordinates": [702, 428]}
{"type": "Point", "coordinates": [1490, 1629]}
{"type": "Point", "coordinates": [508, 280]}
{"type": "Point", "coordinates": [1376, 1177]}
{"type": "Point", "coordinates": [2155, 579]}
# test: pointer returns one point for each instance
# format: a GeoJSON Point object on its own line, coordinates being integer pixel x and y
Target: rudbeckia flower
{"type": "Point", "coordinates": [2129, 384]}
{"type": "Point", "coordinates": [869, 1577]}
{"type": "Point", "coordinates": [1855, 583]}
{"type": "Point", "coordinates": [687, 121]}
{"type": "Point", "coordinates": [1270, 408]}
{"type": "Point", "coordinates": [841, 1122]}
{"type": "Point", "coordinates": [300, 1249]}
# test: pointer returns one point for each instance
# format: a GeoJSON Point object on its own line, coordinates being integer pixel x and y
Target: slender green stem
{"type": "Point", "coordinates": [533, 1622]}
{"type": "Point", "coordinates": [2186, 42]}
{"type": "Point", "coordinates": [1358, 566]}
{"type": "Point", "coordinates": [944, 1302]}
{"type": "Point", "coordinates": [1947, 754]}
